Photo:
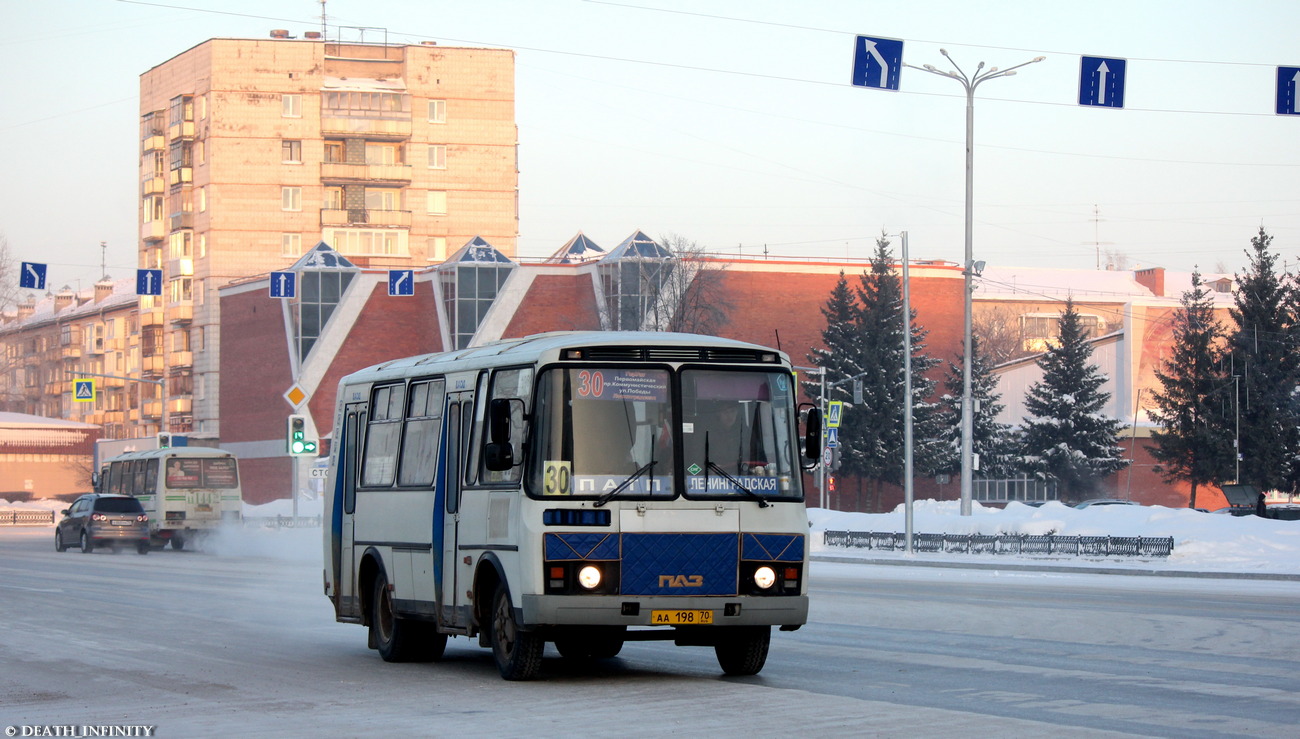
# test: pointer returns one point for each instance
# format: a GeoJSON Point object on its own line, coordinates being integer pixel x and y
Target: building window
{"type": "Point", "coordinates": [633, 275]}
{"type": "Point", "coordinates": [181, 291]}
{"type": "Point", "coordinates": [382, 198]}
{"type": "Point", "coordinates": [367, 242]}
{"type": "Point", "coordinates": [333, 198]}
{"type": "Point", "coordinates": [203, 245]}
{"type": "Point", "coordinates": [290, 245]}
{"type": "Point", "coordinates": [471, 280]}
{"type": "Point", "coordinates": [291, 198]}
{"type": "Point", "coordinates": [383, 153]}
{"type": "Point", "coordinates": [319, 292]}
{"type": "Point", "coordinates": [334, 152]}
{"type": "Point", "coordinates": [436, 248]}
{"type": "Point", "coordinates": [180, 244]}
{"type": "Point", "coordinates": [203, 199]}
{"type": "Point", "coordinates": [291, 151]}
{"type": "Point", "coordinates": [437, 203]}
{"type": "Point", "coordinates": [153, 208]}
{"type": "Point", "coordinates": [291, 106]}
{"type": "Point", "coordinates": [391, 105]}
{"type": "Point", "coordinates": [437, 156]}
{"type": "Point", "coordinates": [437, 111]}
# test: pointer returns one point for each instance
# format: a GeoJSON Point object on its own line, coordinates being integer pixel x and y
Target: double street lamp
{"type": "Point", "coordinates": [969, 82]}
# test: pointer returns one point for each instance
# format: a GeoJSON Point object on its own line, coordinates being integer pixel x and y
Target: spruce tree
{"type": "Point", "coordinates": [1263, 354]}
{"type": "Point", "coordinates": [1193, 444]}
{"type": "Point", "coordinates": [992, 441]}
{"type": "Point", "coordinates": [1067, 437]}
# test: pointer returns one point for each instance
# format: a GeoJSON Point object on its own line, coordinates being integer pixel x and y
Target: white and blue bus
{"type": "Point", "coordinates": [584, 489]}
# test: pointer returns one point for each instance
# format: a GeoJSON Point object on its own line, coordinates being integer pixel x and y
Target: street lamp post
{"type": "Point", "coordinates": [969, 82]}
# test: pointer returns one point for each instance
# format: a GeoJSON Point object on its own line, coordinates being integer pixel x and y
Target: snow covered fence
{"type": "Point", "coordinates": [1105, 546]}
{"type": "Point", "coordinates": [26, 517]}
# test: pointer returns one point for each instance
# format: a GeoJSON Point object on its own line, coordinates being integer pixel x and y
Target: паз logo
{"type": "Point", "coordinates": [681, 581]}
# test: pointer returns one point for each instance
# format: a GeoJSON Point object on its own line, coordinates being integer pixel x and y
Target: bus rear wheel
{"type": "Point", "coordinates": [743, 651]}
{"type": "Point", "coordinates": [400, 639]}
{"type": "Point", "coordinates": [178, 542]}
{"type": "Point", "coordinates": [518, 653]}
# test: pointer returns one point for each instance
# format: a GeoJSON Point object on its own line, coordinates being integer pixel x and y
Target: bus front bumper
{"type": "Point", "coordinates": [613, 610]}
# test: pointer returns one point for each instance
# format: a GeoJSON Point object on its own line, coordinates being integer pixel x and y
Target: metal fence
{"type": "Point", "coordinates": [26, 517]}
{"type": "Point", "coordinates": [1100, 546]}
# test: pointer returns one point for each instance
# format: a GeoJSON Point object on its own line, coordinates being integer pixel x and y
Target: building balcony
{"type": "Point", "coordinates": [152, 409]}
{"type": "Point", "coordinates": [181, 130]}
{"type": "Point", "coordinates": [180, 405]}
{"type": "Point", "coordinates": [72, 351]}
{"type": "Point", "coordinates": [153, 230]}
{"type": "Point", "coordinates": [153, 186]}
{"type": "Point", "coordinates": [180, 359]}
{"type": "Point", "coordinates": [179, 221]}
{"type": "Point", "coordinates": [181, 176]}
{"type": "Point", "coordinates": [154, 364]}
{"type": "Point", "coordinates": [180, 312]}
{"type": "Point", "coordinates": [151, 317]}
{"type": "Point", "coordinates": [368, 127]}
{"type": "Point", "coordinates": [155, 141]}
{"type": "Point", "coordinates": [358, 217]}
{"type": "Point", "coordinates": [361, 172]}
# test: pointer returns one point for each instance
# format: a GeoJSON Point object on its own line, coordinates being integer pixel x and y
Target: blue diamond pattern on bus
{"type": "Point", "coordinates": [773, 547]}
{"type": "Point", "coordinates": [568, 547]}
{"type": "Point", "coordinates": [680, 564]}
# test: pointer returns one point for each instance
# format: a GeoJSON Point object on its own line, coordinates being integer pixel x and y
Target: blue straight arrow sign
{"type": "Point", "coordinates": [1288, 85]}
{"type": "Point", "coordinates": [1101, 81]}
{"type": "Point", "coordinates": [148, 282]}
{"type": "Point", "coordinates": [284, 284]}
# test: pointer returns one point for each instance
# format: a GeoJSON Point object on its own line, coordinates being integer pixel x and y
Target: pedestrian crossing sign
{"type": "Point", "coordinates": [83, 391]}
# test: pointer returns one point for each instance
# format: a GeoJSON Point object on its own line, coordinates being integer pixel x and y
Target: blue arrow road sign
{"type": "Point", "coordinates": [148, 282]}
{"type": "Point", "coordinates": [1288, 85]}
{"type": "Point", "coordinates": [284, 284]}
{"type": "Point", "coordinates": [401, 282]}
{"type": "Point", "coordinates": [32, 276]}
{"type": "Point", "coordinates": [1101, 81]}
{"type": "Point", "coordinates": [877, 62]}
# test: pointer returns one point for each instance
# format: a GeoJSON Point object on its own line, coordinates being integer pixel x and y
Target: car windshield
{"type": "Point", "coordinates": [118, 505]}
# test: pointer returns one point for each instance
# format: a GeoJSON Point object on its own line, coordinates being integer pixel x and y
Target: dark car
{"type": "Point", "coordinates": [95, 520]}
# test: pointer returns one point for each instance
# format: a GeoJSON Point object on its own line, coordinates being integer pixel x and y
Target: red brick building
{"type": "Point", "coordinates": [344, 319]}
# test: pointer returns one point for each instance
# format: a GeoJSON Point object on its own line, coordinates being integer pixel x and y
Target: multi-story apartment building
{"type": "Point", "coordinates": [254, 151]}
{"type": "Point", "coordinates": [93, 334]}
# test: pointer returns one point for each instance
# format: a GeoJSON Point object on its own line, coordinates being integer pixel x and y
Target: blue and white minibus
{"type": "Point", "coordinates": [583, 488]}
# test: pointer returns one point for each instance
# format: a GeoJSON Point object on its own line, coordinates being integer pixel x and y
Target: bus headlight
{"type": "Point", "coordinates": [589, 577]}
{"type": "Point", "coordinates": [764, 577]}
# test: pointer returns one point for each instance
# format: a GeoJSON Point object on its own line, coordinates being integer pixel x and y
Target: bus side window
{"type": "Point", "coordinates": [114, 484]}
{"type": "Point", "coordinates": [382, 434]}
{"type": "Point", "coordinates": [419, 455]}
{"type": "Point", "coordinates": [516, 386]}
{"type": "Point", "coordinates": [150, 476]}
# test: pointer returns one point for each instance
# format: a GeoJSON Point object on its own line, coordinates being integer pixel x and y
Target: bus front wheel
{"type": "Point", "coordinates": [399, 639]}
{"type": "Point", "coordinates": [518, 653]}
{"type": "Point", "coordinates": [744, 650]}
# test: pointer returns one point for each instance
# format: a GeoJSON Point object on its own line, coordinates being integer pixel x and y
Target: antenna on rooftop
{"type": "Point", "coordinates": [322, 20]}
{"type": "Point", "coordinates": [1096, 243]}
{"type": "Point", "coordinates": [103, 259]}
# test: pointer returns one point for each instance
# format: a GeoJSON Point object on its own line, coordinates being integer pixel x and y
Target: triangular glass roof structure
{"type": "Point", "coordinates": [480, 251]}
{"type": "Point", "coordinates": [638, 246]}
{"type": "Point", "coordinates": [577, 250]}
{"type": "Point", "coordinates": [322, 256]}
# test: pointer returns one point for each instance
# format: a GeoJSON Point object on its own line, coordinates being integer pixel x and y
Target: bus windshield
{"type": "Point", "coordinates": [611, 432]}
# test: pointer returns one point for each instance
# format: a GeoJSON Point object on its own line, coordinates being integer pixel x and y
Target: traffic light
{"type": "Point", "coordinates": [164, 440]}
{"type": "Point", "coordinates": [298, 442]}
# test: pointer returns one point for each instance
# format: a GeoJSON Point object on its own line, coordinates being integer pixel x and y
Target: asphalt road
{"type": "Point", "coordinates": [239, 640]}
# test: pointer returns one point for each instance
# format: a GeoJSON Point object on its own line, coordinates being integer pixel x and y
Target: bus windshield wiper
{"type": "Point", "coordinates": [740, 486]}
{"type": "Point", "coordinates": [602, 500]}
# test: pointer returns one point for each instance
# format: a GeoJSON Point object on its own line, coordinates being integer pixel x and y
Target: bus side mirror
{"type": "Point", "coordinates": [498, 454]}
{"type": "Point", "coordinates": [812, 436]}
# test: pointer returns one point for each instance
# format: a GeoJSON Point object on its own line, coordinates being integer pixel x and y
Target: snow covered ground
{"type": "Point", "coordinates": [1203, 542]}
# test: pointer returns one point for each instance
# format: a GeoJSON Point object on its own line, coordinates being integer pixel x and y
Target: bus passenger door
{"type": "Point", "coordinates": [349, 602]}
{"type": "Point", "coordinates": [449, 479]}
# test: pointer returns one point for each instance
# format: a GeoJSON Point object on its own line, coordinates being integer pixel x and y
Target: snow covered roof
{"type": "Point", "coordinates": [638, 245]}
{"type": "Point", "coordinates": [1036, 282]}
{"type": "Point", "coordinates": [363, 84]}
{"type": "Point", "coordinates": [322, 256]}
{"type": "Point", "coordinates": [478, 250]}
{"type": "Point", "coordinates": [576, 250]}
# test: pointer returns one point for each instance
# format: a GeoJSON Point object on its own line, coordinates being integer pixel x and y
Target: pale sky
{"type": "Point", "coordinates": [733, 123]}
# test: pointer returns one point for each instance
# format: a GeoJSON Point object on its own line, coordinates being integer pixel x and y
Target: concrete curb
{"type": "Point", "coordinates": [1062, 567]}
